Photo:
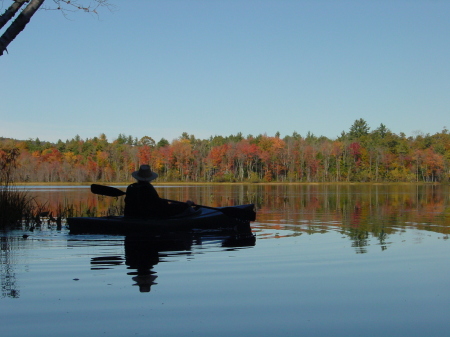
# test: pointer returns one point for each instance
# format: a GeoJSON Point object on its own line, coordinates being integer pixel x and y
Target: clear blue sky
{"type": "Point", "coordinates": [163, 67]}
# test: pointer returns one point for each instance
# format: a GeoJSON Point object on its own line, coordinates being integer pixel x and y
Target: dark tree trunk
{"type": "Point", "coordinates": [11, 12]}
{"type": "Point", "coordinates": [19, 23]}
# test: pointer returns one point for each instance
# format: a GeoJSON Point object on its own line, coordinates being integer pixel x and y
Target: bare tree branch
{"type": "Point", "coordinates": [91, 6]}
{"type": "Point", "coordinates": [11, 12]}
{"type": "Point", "coordinates": [19, 24]}
{"type": "Point", "coordinates": [65, 6]}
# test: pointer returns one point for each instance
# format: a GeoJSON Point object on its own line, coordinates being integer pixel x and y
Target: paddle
{"type": "Point", "coordinates": [240, 213]}
{"type": "Point", "coordinates": [106, 190]}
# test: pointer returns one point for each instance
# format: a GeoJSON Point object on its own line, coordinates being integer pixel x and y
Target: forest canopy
{"type": "Point", "coordinates": [359, 155]}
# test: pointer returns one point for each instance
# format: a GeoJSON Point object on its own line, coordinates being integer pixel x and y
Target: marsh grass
{"type": "Point", "coordinates": [15, 205]}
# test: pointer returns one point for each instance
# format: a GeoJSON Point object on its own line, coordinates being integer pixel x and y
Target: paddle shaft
{"type": "Point", "coordinates": [224, 210]}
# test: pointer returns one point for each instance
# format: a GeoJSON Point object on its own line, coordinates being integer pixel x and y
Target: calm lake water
{"type": "Point", "coordinates": [329, 260]}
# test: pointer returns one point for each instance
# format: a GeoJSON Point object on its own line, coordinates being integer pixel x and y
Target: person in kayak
{"type": "Point", "coordinates": [142, 200]}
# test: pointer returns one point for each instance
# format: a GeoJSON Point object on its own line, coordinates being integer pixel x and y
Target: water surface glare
{"type": "Point", "coordinates": [328, 261]}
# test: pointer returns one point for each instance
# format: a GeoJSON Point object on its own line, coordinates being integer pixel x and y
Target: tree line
{"type": "Point", "coordinates": [358, 155]}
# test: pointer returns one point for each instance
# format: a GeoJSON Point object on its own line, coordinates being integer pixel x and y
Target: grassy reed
{"type": "Point", "coordinates": [14, 205]}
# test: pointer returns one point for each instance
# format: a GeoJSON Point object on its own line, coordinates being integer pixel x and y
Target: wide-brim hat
{"type": "Point", "coordinates": [144, 174]}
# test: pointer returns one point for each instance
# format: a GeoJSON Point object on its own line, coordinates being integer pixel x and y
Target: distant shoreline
{"type": "Point", "coordinates": [224, 183]}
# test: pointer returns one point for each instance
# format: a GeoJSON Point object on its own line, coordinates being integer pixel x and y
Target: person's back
{"type": "Point", "coordinates": [142, 201]}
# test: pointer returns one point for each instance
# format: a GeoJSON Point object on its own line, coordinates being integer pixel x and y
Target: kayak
{"type": "Point", "coordinates": [192, 219]}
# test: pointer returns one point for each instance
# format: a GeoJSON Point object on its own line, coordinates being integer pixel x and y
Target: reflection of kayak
{"type": "Point", "coordinates": [201, 218]}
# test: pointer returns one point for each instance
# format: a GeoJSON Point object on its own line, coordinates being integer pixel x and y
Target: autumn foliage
{"type": "Point", "coordinates": [355, 156]}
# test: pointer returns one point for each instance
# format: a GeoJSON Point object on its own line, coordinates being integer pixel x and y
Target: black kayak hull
{"type": "Point", "coordinates": [200, 219]}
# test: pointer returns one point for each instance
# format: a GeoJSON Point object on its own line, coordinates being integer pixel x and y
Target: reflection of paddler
{"type": "Point", "coordinates": [142, 254]}
{"type": "Point", "coordinates": [145, 281]}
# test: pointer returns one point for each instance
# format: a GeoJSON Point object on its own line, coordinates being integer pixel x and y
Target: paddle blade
{"type": "Point", "coordinates": [106, 190]}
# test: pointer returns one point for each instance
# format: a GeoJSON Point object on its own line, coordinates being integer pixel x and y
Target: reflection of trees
{"type": "Point", "coordinates": [357, 211]}
{"type": "Point", "coordinates": [377, 209]}
{"type": "Point", "coordinates": [359, 239]}
{"type": "Point", "coordinates": [9, 283]}
{"type": "Point", "coordinates": [76, 201]}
